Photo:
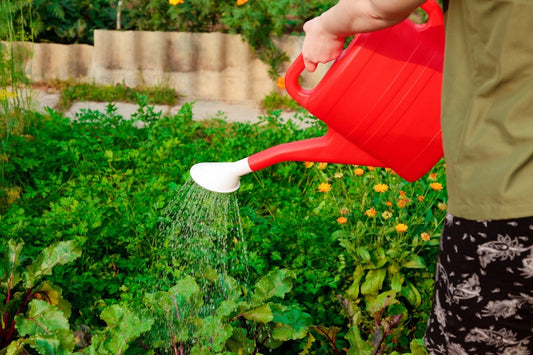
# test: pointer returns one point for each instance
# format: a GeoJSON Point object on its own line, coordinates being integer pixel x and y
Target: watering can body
{"type": "Point", "coordinates": [380, 100]}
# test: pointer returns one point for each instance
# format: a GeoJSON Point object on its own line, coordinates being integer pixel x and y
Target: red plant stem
{"type": "Point", "coordinates": [26, 300]}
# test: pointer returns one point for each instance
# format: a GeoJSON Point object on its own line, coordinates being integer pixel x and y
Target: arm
{"type": "Point", "coordinates": [324, 35]}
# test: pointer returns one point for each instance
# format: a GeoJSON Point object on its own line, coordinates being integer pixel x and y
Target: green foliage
{"type": "Point", "coordinates": [105, 182]}
{"type": "Point", "coordinates": [276, 101]}
{"type": "Point", "coordinates": [34, 311]}
{"type": "Point", "coordinates": [71, 92]}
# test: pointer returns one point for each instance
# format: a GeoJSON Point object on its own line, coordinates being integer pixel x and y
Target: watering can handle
{"type": "Point", "coordinates": [435, 19]}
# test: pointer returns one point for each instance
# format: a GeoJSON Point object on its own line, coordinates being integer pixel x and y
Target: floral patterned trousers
{"type": "Point", "coordinates": [483, 298]}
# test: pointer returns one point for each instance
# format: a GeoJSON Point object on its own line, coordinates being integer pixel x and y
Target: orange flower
{"type": "Point", "coordinates": [358, 172]}
{"type": "Point", "coordinates": [402, 194]}
{"type": "Point", "coordinates": [324, 187]}
{"type": "Point", "coordinates": [400, 228]}
{"type": "Point", "coordinates": [402, 202]}
{"type": "Point", "coordinates": [420, 198]}
{"type": "Point", "coordinates": [241, 2]}
{"type": "Point", "coordinates": [381, 187]}
{"type": "Point", "coordinates": [436, 186]}
{"type": "Point", "coordinates": [322, 166]}
{"type": "Point", "coordinates": [342, 220]}
{"type": "Point", "coordinates": [432, 177]}
{"type": "Point", "coordinates": [425, 237]}
{"type": "Point", "coordinates": [371, 212]}
{"type": "Point", "coordinates": [388, 203]}
{"type": "Point", "coordinates": [175, 2]}
{"type": "Point", "coordinates": [370, 168]}
{"type": "Point", "coordinates": [281, 80]}
{"type": "Point", "coordinates": [442, 206]}
{"type": "Point", "coordinates": [308, 164]}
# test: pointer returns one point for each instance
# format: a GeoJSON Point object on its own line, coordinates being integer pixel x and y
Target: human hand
{"type": "Point", "coordinates": [320, 46]}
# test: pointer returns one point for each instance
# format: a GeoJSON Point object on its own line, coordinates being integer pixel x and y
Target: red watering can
{"type": "Point", "coordinates": [380, 100]}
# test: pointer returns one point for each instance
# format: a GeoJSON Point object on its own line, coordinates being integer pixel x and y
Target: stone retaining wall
{"type": "Point", "coordinates": [213, 66]}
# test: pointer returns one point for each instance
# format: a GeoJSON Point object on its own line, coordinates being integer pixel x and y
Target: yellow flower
{"type": "Point", "coordinates": [400, 228]}
{"type": "Point", "coordinates": [308, 164]}
{"type": "Point", "coordinates": [281, 80]}
{"type": "Point", "coordinates": [381, 187]}
{"type": "Point", "coordinates": [436, 186]}
{"type": "Point", "coordinates": [338, 175]}
{"type": "Point", "coordinates": [342, 220]}
{"type": "Point", "coordinates": [175, 2]}
{"type": "Point", "coordinates": [241, 2]}
{"type": "Point", "coordinates": [322, 166]}
{"type": "Point", "coordinates": [235, 240]}
{"type": "Point", "coordinates": [386, 214]}
{"type": "Point", "coordinates": [324, 187]}
{"type": "Point", "coordinates": [425, 237]}
{"type": "Point", "coordinates": [371, 212]}
{"type": "Point", "coordinates": [358, 172]}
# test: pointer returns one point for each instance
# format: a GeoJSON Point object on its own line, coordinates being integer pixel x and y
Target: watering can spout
{"type": "Point", "coordinates": [332, 148]}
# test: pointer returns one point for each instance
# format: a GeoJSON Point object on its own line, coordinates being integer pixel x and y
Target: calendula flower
{"type": "Point", "coordinates": [358, 172]}
{"type": "Point", "coordinates": [175, 2]}
{"type": "Point", "coordinates": [344, 211]}
{"type": "Point", "coordinates": [324, 187]}
{"type": "Point", "coordinates": [322, 166]}
{"type": "Point", "coordinates": [388, 203]}
{"type": "Point", "coordinates": [338, 175]}
{"type": "Point", "coordinates": [241, 2]}
{"type": "Point", "coordinates": [432, 176]}
{"type": "Point", "coordinates": [402, 194]}
{"type": "Point", "coordinates": [402, 202]}
{"type": "Point", "coordinates": [308, 164]}
{"type": "Point", "coordinates": [342, 220]}
{"type": "Point", "coordinates": [436, 186]}
{"type": "Point", "coordinates": [370, 212]}
{"type": "Point", "coordinates": [386, 215]}
{"type": "Point", "coordinates": [425, 237]}
{"type": "Point", "coordinates": [420, 198]}
{"type": "Point", "coordinates": [381, 187]}
{"type": "Point", "coordinates": [400, 227]}
{"type": "Point", "coordinates": [442, 206]}
{"type": "Point", "coordinates": [235, 240]}
{"type": "Point", "coordinates": [281, 81]}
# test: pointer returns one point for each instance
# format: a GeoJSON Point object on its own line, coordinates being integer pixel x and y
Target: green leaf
{"type": "Point", "coordinates": [15, 347]}
{"type": "Point", "coordinates": [353, 291]}
{"type": "Point", "coordinates": [397, 281]}
{"type": "Point", "coordinates": [53, 295]}
{"type": "Point", "coordinates": [275, 284]}
{"type": "Point", "coordinates": [58, 254]}
{"type": "Point", "coordinates": [410, 292]}
{"type": "Point", "coordinates": [292, 324]}
{"type": "Point", "coordinates": [262, 314]}
{"type": "Point", "coordinates": [48, 328]}
{"type": "Point", "coordinates": [9, 276]}
{"type": "Point", "coordinates": [373, 282]}
{"type": "Point", "coordinates": [214, 333]}
{"type": "Point", "coordinates": [239, 343]}
{"type": "Point", "coordinates": [123, 326]}
{"type": "Point", "coordinates": [358, 346]}
{"type": "Point", "coordinates": [364, 253]}
{"type": "Point", "coordinates": [417, 347]}
{"type": "Point", "coordinates": [382, 301]}
{"type": "Point", "coordinates": [415, 262]}
{"type": "Point", "coordinates": [226, 308]}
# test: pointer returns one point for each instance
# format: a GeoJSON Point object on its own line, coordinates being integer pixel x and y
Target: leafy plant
{"type": "Point", "coordinates": [34, 311]}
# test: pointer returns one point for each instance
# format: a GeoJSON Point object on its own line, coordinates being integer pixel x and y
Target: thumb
{"type": "Point", "coordinates": [310, 66]}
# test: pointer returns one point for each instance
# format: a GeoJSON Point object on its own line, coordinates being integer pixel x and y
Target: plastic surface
{"type": "Point", "coordinates": [380, 100]}
{"type": "Point", "coordinates": [220, 177]}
